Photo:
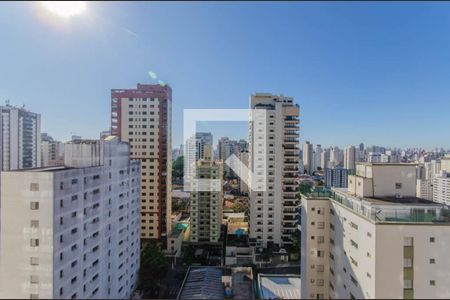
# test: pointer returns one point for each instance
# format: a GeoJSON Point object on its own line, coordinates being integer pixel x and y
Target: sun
{"type": "Point", "coordinates": [65, 9]}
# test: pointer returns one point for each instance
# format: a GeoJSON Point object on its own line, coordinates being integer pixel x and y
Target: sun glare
{"type": "Point", "coordinates": [65, 9]}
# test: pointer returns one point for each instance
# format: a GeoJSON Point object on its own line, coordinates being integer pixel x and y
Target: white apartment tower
{"type": "Point", "coordinates": [317, 161]}
{"type": "Point", "coordinates": [207, 206]}
{"type": "Point", "coordinates": [142, 117]}
{"type": "Point", "coordinates": [20, 138]}
{"type": "Point", "coordinates": [349, 157]}
{"type": "Point", "coordinates": [243, 157]}
{"type": "Point", "coordinates": [375, 239]}
{"type": "Point", "coordinates": [72, 231]}
{"type": "Point", "coordinates": [325, 159]}
{"type": "Point", "coordinates": [273, 211]}
{"type": "Point", "coordinates": [308, 157]}
{"type": "Point", "coordinates": [441, 188]}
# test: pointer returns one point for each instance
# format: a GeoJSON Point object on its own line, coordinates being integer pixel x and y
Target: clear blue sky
{"type": "Point", "coordinates": [377, 73]}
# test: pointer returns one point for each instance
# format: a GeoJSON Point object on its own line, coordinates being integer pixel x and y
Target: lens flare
{"type": "Point", "coordinates": [65, 9]}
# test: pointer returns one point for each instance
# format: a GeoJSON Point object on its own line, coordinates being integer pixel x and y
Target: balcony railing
{"type": "Point", "coordinates": [407, 213]}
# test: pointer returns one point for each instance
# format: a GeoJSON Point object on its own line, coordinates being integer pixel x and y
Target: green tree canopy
{"type": "Point", "coordinates": [177, 167]}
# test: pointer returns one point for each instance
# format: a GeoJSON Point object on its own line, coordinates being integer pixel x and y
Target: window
{"type": "Point", "coordinates": [398, 185]}
{"type": "Point", "coordinates": [407, 263]}
{"type": "Point", "coordinates": [34, 205]}
{"type": "Point", "coordinates": [432, 282]}
{"type": "Point", "coordinates": [353, 225]}
{"type": "Point", "coordinates": [407, 284]}
{"type": "Point", "coordinates": [34, 242]}
{"type": "Point", "coordinates": [34, 187]}
{"type": "Point", "coordinates": [432, 239]}
{"type": "Point", "coordinates": [34, 261]}
{"type": "Point", "coordinates": [34, 279]}
{"type": "Point", "coordinates": [408, 241]}
{"type": "Point", "coordinates": [353, 261]}
{"type": "Point", "coordinates": [34, 224]}
{"type": "Point", "coordinates": [354, 244]}
{"type": "Point", "coordinates": [432, 261]}
{"type": "Point", "coordinates": [34, 296]}
{"type": "Point", "coordinates": [353, 280]}
{"type": "Point", "coordinates": [369, 234]}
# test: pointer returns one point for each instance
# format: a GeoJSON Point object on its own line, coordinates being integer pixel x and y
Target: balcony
{"type": "Point", "coordinates": [291, 141]}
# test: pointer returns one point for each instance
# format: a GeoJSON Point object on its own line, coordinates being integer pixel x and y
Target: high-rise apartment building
{"type": "Point", "coordinates": [273, 211]}
{"type": "Point", "coordinates": [227, 147]}
{"type": "Point", "coordinates": [207, 206]}
{"type": "Point", "coordinates": [51, 151]}
{"type": "Point", "coordinates": [243, 186]}
{"type": "Point", "coordinates": [143, 117]}
{"type": "Point", "coordinates": [441, 188]}
{"type": "Point", "coordinates": [325, 159]}
{"type": "Point", "coordinates": [308, 157]}
{"type": "Point", "coordinates": [317, 160]}
{"type": "Point", "coordinates": [424, 186]}
{"type": "Point", "coordinates": [350, 157]}
{"type": "Point", "coordinates": [375, 239]}
{"type": "Point", "coordinates": [444, 164]}
{"type": "Point", "coordinates": [20, 138]}
{"type": "Point", "coordinates": [336, 177]}
{"type": "Point", "coordinates": [336, 157]}
{"type": "Point", "coordinates": [204, 145]}
{"type": "Point", "coordinates": [72, 231]}
{"type": "Point", "coordinates": [374, 157]}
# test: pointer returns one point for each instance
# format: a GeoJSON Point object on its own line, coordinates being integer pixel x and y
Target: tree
{"type": "Point", "coordinates": [238, 207]}
{"type": "Point", "coordinates": [153, 269]}
{"type": "Point", "coordinates": [305, 187]}
{"type": "Point", "coordinates": [178, 167]}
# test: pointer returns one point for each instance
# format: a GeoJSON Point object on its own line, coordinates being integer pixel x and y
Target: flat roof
{"type": "Point", "coordinates": [390, 200]}
{"type": "Point", "coordinates": [279, 286]}
{"type": "Point", "coordinates": [42, 169]}
{"type": "Point", "coordinates": [385, 163]}
{"type": "Point", "coordinates": [202, 283]}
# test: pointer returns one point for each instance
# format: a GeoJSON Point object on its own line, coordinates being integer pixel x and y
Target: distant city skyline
{"type": "Point", "coordinates": [361, 72]}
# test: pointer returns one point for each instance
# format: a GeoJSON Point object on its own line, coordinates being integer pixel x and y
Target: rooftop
{"type": "Point", "coordinates": [279, 286]}
{"type": "Point", "coordinates": [388, 209]}
{"type": "Point", "coordinates": [42, 169]}
{"type": "Point", "coordinates": [202, 283]}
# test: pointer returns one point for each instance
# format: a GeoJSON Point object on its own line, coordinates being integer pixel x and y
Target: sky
{"type": "Point", "coordinates": [367, 72]}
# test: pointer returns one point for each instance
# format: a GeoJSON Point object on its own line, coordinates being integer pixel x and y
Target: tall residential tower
{"type": "Point", "coordinates": [273, 211]}
{"type": "Point", "coordinates": [142, 117]}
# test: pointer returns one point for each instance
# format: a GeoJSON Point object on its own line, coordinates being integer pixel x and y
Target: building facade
{"type": "Point", "coordinates": [350, 157]}
{"type": "Point", "coordinates": [51, 151]}
{"type": "Point", "coordinates": [72, 231]}
{"type": "Point", "coordinates": [273, 211]}
{"type": "Point", "coordinates": [441, 188]}
{"type": "Point", "coordinates": [143, 117]}
{"type": "Point", "coordinates": [206, 207]}
{"type": "Point", "coordinates": [308, 157]}
{"type": "Point", "coordinates": [336, 177]}
{"type": "Point", "coordinates": [374, 239]}
{"type": "Point", "coordinates": [20, 138]}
